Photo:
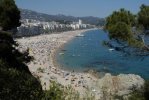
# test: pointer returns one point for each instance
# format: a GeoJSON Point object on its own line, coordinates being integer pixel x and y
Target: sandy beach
{"type": "Point", "coordinates": [43, 47]}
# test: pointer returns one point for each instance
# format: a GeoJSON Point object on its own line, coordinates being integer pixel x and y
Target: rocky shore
{"type": "Point", "coordinates": [43, 47]}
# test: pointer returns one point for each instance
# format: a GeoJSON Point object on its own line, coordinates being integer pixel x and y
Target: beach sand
{"type": "Point", "coordinates": [44, 67]}
{"type": "Point", "coordinates": [43, 48]}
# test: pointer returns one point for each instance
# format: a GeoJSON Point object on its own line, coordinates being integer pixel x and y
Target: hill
{"type": "Point", "coordinates": [29, 14]}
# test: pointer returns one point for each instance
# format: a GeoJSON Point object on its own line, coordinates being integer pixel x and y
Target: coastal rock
{"type": "Point", "coordinates": [93, 72]}
{"type": "Point", "coordinates": [122, 84]}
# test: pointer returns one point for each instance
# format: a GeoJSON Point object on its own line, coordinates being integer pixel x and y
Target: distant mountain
{"type": "Point", "coordinates": [28, 14]}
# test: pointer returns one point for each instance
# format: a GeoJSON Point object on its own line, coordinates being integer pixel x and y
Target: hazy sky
{"type": "Point", "coordinates": [98, 8]}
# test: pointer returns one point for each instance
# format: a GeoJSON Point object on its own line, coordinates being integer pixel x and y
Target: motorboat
{"type": "Point", "coordinates": [80, 35]}
{"type": "Point", "coordinates": [111, 49]}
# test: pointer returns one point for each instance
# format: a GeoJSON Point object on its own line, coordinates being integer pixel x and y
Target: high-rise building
{"type": "Point", "coordinates": [80, 21]}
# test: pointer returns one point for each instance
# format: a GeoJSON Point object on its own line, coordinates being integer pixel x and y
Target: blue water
{"type": "Point", "coordinates": [83, 53]}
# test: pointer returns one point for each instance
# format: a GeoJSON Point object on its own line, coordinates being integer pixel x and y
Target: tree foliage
{"type": "Point", "coordinates": [120, 16]}
{"type": "Point", "coordinates": [18, 85]}
{"type": "Point", "coordinates": [55, 93]}
{"type": "Point", "coordinates": [9, 15]}
{"type": "Point", "coordinates": [119, 25]}
{"type": "Point", "coordinates": [120, 31]}
{"type": "Point", "coordinates": [16, 81]}
{"type": "Point", "coordinates": [143, 17]}
{"type": "Point", "coordinates": [142, 94]}
{"type": "Point", "coordinates": [9, 53]}
{"type": "Point", "coordinates": [127, 29]}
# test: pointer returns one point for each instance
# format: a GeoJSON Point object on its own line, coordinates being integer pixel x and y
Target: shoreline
{"type": "Point", "coordinates": [44, 48]}
{"type": "Point", "coordinates": [59, 47]}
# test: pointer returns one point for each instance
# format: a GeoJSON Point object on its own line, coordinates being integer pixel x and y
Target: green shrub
{"type": "Point", "coordinates": [59, 92]}
{"type": "Point", "coordinates": [142, 94]}
{"type": "Point", "coordinates": [16, 85]}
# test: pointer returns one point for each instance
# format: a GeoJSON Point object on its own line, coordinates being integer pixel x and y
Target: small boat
{"type": "Point", "coordinates": [61, 53]}
{"type": "Point", "coordinates": [80, 35]}
{"type": "Point", "coordinates": [111, 49]}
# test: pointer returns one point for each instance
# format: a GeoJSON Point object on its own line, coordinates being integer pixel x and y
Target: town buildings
{"type": "Point", "coordinates": [34, 27]}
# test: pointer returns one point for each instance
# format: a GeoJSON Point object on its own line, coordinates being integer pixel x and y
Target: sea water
{"type": "Point", "coordinates": [88, 52]}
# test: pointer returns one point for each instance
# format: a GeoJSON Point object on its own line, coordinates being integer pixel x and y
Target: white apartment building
{"type": "Point", "coordinates": [34, 27]}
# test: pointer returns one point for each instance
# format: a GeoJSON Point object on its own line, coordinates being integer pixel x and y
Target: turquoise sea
{"type": "Point", "coordinates": [83, 53]}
